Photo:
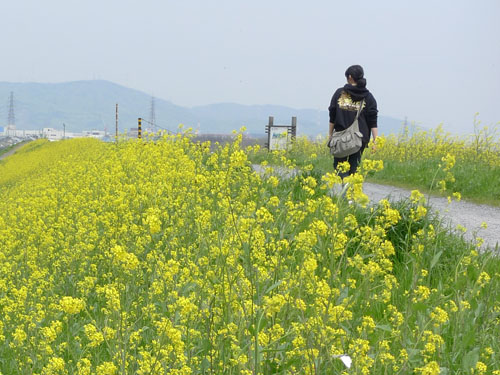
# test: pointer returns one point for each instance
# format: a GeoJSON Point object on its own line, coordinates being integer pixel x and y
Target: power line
{"type": "Point", "coordinates": [152, 115]}
{"type": "Point", "coordinates": [158, 126]}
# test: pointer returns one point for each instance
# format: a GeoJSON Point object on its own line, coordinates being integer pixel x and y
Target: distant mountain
{"type": "Point", "coordinates": [85, 105]}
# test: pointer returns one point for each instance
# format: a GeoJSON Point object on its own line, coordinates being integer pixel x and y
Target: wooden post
{"type": "Point", "coordinates": [294, 127]}
{"type": "Point", "coordinates": [268, 131]}
{"type": "Point", "coordinates": [139, 128]}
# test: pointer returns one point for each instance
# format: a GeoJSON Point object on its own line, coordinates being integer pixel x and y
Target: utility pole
{"type": "Point", "coordinates": [116, 125]}
{"type": "Point", "coordinates": [12, 116]}
{"type": "Point", "coordinates": [64, 130]}
{"type": "Point", "coordinates": [11, 120]}
{"type": "Point", "coordinates": [152, 115]}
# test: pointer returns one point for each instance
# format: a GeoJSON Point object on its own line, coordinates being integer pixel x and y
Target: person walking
{"type": "Point", "coordinates": [344, 106]}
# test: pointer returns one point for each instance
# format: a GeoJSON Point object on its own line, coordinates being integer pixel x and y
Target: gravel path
{"type": "Point", "coordinates": [466, 214]}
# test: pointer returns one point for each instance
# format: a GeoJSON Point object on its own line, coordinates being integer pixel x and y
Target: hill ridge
{"type": "Point", "coordinates": [90, 104]}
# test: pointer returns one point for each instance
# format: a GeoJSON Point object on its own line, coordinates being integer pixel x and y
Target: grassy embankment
{"type": "Point", "coordinates": [152, 258]}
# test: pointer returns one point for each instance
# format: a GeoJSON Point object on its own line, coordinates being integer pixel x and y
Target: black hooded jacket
{"type": "Point", "coordinates": [345, 104]}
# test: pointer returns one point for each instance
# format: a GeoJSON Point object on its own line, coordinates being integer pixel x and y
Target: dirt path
{"type": "Point", "coordinates": [12, 151]}
{"type": "Point", "coordinates": [466, 214]}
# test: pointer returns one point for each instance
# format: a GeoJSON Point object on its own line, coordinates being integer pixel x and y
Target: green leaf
{"type": "Point", "coordinates": [412, 353]}
{"type": "Point", "coordinates": [470, 360]}
{"type": "Point", "coordinates": [272, 287]}
{"type": "Point", "coordinates": [384, 327]}
{"type": "Point", "coordinates": [419, 306]}
{"type": "Point", "coordinates": [344, 293]}
{"type": "Point", "coordinates": [435, 259]}
{"type": "Point", "coordinates": [478, 312]}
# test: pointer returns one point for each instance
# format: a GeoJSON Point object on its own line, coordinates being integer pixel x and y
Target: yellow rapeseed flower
{"type": "Point", "coordinates": [71, 305]}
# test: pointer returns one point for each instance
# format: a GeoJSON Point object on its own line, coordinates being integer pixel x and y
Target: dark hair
{"type": "Point", "coordinates": [357, 73]}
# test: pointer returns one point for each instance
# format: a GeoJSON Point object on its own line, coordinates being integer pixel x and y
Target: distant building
{"type": "Point", "coordinates": [52, 134]}
{"type": "Point", "coordinates": [10, 131]}
{"type": "Point", "coordinates": [133, 133]}
{"type": "Point", "coordinates": [94, 134]}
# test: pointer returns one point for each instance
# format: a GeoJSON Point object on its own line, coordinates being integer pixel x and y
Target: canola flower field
{"type": "Point", "coordinates": [164, 257]}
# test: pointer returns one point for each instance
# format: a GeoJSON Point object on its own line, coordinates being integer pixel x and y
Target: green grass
{"type": "Point", "coordinates": [476, 182]}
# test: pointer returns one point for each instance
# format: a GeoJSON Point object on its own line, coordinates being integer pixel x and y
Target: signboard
{"type": "Point", "coordinates": [278, 138]}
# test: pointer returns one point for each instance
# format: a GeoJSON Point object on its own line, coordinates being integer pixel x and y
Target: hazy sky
{"type": "Point", "coordinates": [432, 61]}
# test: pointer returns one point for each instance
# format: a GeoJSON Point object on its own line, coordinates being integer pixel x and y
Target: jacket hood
{"type": "Point", "coordinates": [357, 93]}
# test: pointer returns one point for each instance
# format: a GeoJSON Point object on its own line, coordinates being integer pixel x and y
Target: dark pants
{"type": "Point", "coordinates": [354, 161]}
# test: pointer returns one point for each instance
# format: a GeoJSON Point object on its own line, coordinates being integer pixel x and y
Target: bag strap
{"type": "Point", "coordinates": [356, 128]}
